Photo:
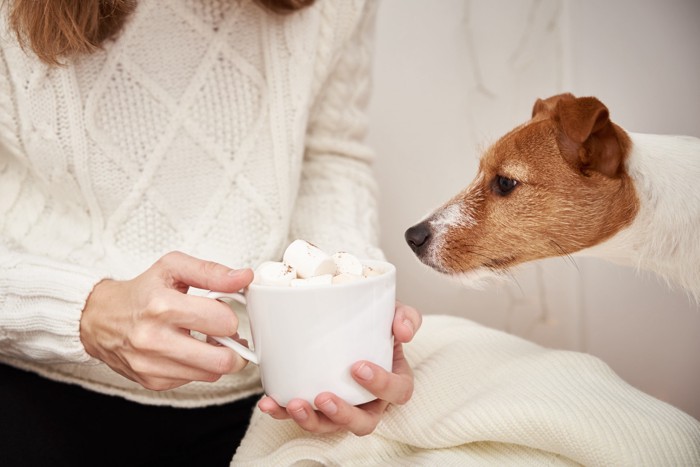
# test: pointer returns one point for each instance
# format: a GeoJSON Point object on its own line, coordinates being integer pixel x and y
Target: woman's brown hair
{"type": "Point", "coordinates": [56, 29]}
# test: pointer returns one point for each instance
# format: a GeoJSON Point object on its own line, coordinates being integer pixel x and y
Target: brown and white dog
{"type": "Point", "coordinates": [571, 181]}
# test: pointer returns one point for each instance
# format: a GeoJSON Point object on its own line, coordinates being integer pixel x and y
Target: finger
{"type": "Point", "coordinates": [306, 417]}
{"type": "Point", "coordinates": [195, 354]}
{"type": "Point", "coordinates": [206, 315]}
{"type": "Point", "coordinates": [179, 347]}
{"type": "Point", "coordinates": [159, 373]}
{"type": "Point", "coordinates": [191, 271]}
{"type": "Point", "coordinates": [235, 337]}
{"type": "Point", "coordinates": [174, 311]}
{"type": "Point", "coordinates": [176, 354]}
{"type": "Point", "coordinates": [407, 321]}
{"type": "Point", "coordinates": [396, 387]}
{"type": "Point", "coordinates": [160, 384]}
{"type": "Point", "coordinates": [361, 420]}
{"type": "Point", "coordinates": [270, 407]}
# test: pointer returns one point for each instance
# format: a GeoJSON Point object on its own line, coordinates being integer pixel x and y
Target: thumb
{"type": "Point", "coordinates": [186, 270]}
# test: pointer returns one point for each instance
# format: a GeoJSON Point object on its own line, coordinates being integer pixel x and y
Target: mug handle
{"type": "Point", "coordinates": [237, 347]}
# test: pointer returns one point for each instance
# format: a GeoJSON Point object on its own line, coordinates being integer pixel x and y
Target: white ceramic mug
{"type": "Point", "coordinates": [305, 339]}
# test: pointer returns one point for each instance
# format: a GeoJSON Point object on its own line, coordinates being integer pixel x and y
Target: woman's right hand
{"type": "Point", "coordinates": [141, 327]}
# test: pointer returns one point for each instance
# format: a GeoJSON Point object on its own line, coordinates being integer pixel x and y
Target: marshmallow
{"type": "Point", "coordinates": [274, 273]}
{"type": "Point", "coordinates": [305, 264]}
{"type": "Point", "coordinates": [345, 278]}
{"type": "Point", "coordinates": [369, 272]}
{"type": "Point", "coordinates": [346, 263]}
{"type": "Point", "coordinates": [308, 260]}
{"type": "Point", "coordinates": [324, 279]}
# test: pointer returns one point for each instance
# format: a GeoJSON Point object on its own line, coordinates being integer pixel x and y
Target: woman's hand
{"type": "Point", "coordinates": [141, 327]}
{"type": "Point", "coordinates": [335, 414]}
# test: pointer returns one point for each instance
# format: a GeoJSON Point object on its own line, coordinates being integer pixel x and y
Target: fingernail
{"type": "Point", "coordinates": [407, 322]}
{"type": "Point", "coordinates": [235, 272]}
{"type": "Point", "coordinates": [329, 407]}
{"type": "Point", "coordinates": [299, 414]}
{"type": "Point", "coordinates": [365, 372]}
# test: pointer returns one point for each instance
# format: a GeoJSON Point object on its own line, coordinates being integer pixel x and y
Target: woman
{"type": "Point", "coordinates": [151, 147]}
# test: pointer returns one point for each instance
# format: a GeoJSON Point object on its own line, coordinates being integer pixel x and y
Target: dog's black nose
{"type": "Point", "coordinates": [418, 236]}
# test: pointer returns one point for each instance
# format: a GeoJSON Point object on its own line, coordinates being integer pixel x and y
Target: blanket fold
{"type": "Point", "coordinates": [486, 397]}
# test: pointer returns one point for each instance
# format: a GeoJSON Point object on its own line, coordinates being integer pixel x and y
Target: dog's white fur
{"type": "Point", "coordinates": [459, 215]}
{"type": "Point", "coordinates": [664, 237]}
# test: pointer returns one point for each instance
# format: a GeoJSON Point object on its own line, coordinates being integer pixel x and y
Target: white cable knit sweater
{"type": "Point", "coordinates": [207, 126]}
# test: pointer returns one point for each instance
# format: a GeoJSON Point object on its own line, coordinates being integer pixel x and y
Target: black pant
{"type": "Point", "coordinates": [46, 423]}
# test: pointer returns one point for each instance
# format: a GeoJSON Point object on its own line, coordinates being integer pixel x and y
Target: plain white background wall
{"type": "Point", "coordinates": [453, 75]}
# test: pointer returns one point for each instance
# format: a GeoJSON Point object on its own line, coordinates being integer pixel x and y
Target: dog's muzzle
{"type": "Point", "coordinates": [418, 237]}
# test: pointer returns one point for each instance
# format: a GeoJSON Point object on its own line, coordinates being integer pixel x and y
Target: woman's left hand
{"type": "Point", "coordinates": [335, 414]}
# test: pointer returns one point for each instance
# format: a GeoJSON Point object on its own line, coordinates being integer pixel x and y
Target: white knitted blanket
{"type": "Point", "coordinates": [483, 397]}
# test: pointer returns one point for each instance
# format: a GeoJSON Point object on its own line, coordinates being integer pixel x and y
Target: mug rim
{"type": "Point", "coordinates": [390, 271]}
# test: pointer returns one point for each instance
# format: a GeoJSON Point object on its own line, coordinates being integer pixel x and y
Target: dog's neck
{"type": "Point", "coordinates": [665, 235]}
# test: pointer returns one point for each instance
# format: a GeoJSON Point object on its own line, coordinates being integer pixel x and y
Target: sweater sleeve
{"type": "Point", "coordinates": [336, 206]}
{"type": "Point", "coordinates": [41, 302]}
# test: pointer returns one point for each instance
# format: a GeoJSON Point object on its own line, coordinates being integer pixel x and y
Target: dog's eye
{"type": "Point", "coordinates": [502, 185]}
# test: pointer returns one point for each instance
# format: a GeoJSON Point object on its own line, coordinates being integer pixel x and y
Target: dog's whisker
{"type": "Point", "coordinates": [504, 272]}
{"type": "Point", "coordinates": [495, 261]}
{"type": "Point", "coordinates": [473, 248]}
{"type": "Point", "coordinates": [510, 274]}
{"type": "Point", "coordinates": [470, 250]}
{"type": "Point", "coordinates": [566, 256]}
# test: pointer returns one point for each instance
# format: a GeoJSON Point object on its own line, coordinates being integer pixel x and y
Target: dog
{"type": "Point", "coordinates": [570, 181]}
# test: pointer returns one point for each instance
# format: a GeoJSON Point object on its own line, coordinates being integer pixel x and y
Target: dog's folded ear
{"type": "Point", "coordinates": [539, 107]}
{"type": "Point", "coordinates": [548, 105]}
{"type": "Point", "coordinates": [588, 139]}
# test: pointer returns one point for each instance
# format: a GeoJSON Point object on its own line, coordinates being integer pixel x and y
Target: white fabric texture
{"type": "Point", "coordinates": [212, 127]}
{"type": "Point", "coordinates": [484, 397]}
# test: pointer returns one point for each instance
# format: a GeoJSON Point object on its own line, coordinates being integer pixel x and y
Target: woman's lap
{"type": "Point", "coordinates": [49, 423]}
